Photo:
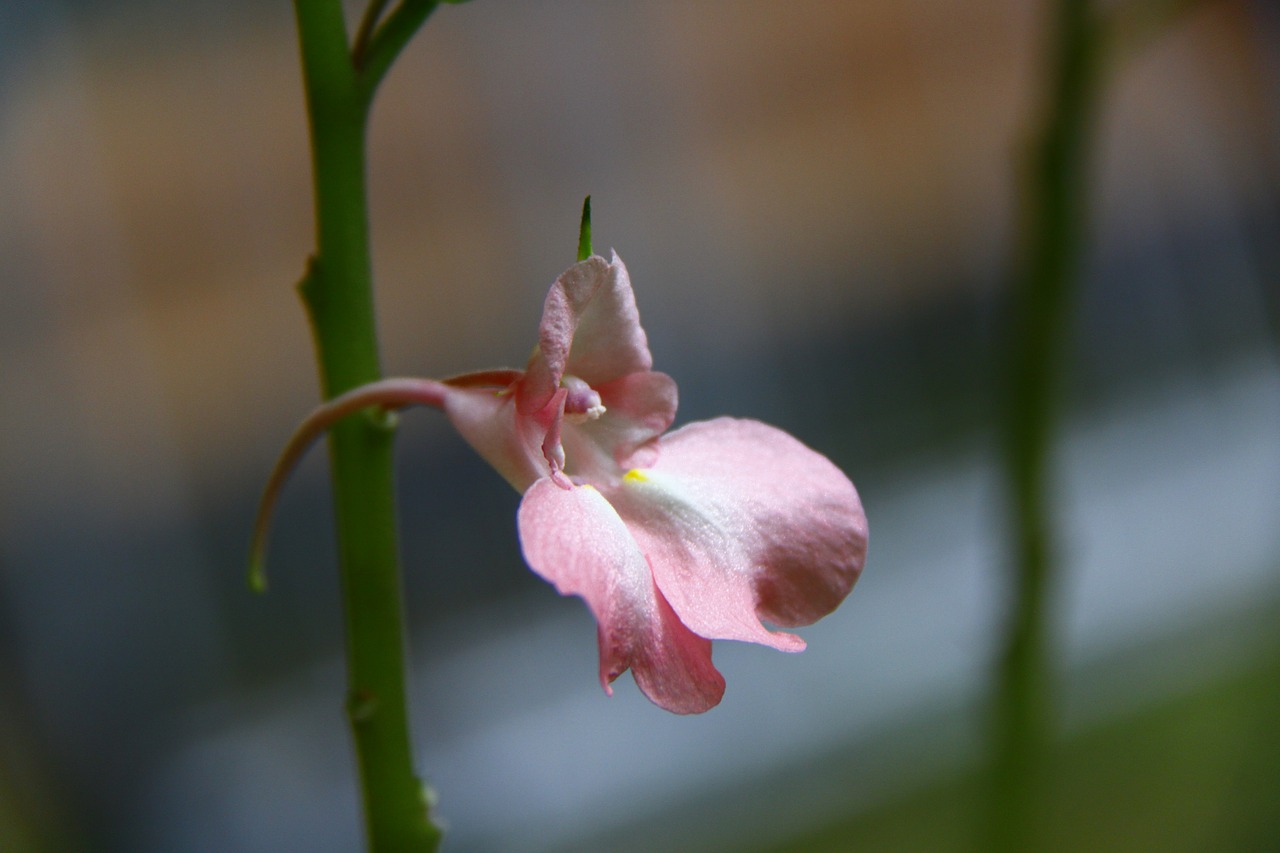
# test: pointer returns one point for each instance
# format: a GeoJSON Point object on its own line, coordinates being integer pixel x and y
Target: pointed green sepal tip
{"type": "Point", "coordinates": [584, 231]}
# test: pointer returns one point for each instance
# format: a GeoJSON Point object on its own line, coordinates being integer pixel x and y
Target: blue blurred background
{"type": "Point", "coordinates": [816, 202]}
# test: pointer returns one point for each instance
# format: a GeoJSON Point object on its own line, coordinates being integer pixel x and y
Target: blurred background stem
{"type": "Point", "coordinates": [338, 293]}
{"type": "Point", "coordinates": [1053, 222]}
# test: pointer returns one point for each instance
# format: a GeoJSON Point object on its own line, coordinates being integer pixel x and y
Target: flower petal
{"type": "Point", "coordinates": [638, 408]}
{"type": "Point", "coordinates": [590, 328]}
{"type": "Point", "coordinates": [507, 440]}
{"type": "Point", "coordinates": [742, 522]}
{"type": "Point", "coordinates": [574, 539]}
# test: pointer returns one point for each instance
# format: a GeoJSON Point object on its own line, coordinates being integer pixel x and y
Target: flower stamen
{"type": "Point", "coordinates": [582, 403]}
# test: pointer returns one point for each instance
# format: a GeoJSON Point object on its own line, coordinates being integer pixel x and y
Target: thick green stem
{"type": "Point", "coordinates": [1053, 230]}
{"type": "Point", "coordinates": [337, 290]}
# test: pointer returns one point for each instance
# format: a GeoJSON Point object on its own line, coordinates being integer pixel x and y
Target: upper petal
{"type": "Point", "coordinates": [740, 522]}
{"type": "Point", "coordinates": [574, 539]}
{"type": "Point", "coordinates": [590, 328]}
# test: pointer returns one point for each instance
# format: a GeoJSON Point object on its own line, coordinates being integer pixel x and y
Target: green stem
{"type": "Point", "coordinates": [338, 294]}
{"type": "Point", "coordinates": [1054, 224]}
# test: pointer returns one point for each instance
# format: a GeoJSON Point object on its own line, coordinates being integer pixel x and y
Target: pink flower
{"type": "Point", "coordinates": [672, 540]}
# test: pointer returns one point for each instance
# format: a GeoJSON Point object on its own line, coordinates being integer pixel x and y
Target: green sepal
{"type": "Point", "coordinates": [584, 231]}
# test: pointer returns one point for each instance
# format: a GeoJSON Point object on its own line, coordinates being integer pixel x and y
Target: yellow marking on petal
{"type": "Point", "coordinates": [635, 475]}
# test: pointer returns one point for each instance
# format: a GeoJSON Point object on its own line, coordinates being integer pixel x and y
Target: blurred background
{"type": "Point", "coordinates": [816, 202]}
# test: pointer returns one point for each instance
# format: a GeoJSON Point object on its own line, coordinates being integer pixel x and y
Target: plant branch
{"type": "Point", "coordinates": [372, 15]}
{"type": "Point", "coordinates": [389, 39]}
{"type": "Point", "coordinates": [1053, 228]}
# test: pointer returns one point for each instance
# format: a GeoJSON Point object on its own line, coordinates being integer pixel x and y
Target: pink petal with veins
{"type": "Point", "coordinates": [741, 522]}
{"type": "Point", "coordinates": [574, 539]}
{"type": "Point", "coordinates": [590, 329]}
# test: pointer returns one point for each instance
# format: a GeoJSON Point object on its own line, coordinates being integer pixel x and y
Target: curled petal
{"type": "Point", "coordinates": [552, 415]}
{"type": "Point", "coordinates": [590, 328]}
{"type": "Point", "coordinates": [742, 522]}
{"type": "Point", "coordinates": [575, 539]}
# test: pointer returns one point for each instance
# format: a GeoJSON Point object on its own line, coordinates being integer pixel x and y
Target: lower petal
{"type": "Point", "coordinates": [742, 522]}
{"type": "Point", "coordinates": [574, 539]}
